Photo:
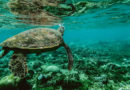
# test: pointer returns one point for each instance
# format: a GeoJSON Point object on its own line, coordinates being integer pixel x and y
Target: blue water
{"type": "Point", "coordinates": [105, 66]}
{"type": "Point", "coordinates": [110, 23]}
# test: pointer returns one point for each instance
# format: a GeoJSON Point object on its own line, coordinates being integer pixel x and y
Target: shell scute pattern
{"type": "Point", "coordinates": [35, 38]}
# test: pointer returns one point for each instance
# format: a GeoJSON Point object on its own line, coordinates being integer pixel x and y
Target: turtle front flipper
{"type": "Point", "coordinates": [3, 53]}
{"type": "Point", "coordinates": [18, 65]}
{"type": "Point", "coordinates": [70, 57]}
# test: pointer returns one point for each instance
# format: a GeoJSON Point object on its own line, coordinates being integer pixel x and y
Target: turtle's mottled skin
{"type": "Point", "coordinates": [18, 65]}
{"type": "Point", "coordinates": [35, 41]}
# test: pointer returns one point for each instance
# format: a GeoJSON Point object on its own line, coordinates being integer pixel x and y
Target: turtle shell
{"type": "Point", "coordinates": [38, 38]}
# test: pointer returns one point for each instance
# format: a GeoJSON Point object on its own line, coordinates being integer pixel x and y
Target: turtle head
{"type": "Point", "coordinates": [61, 29]}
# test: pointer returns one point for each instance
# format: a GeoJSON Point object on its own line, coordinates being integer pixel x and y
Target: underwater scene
{"type": "Point", "coordinates": [64, 44]}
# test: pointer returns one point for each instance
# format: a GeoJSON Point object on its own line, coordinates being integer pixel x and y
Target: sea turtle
{"type": "Point", "coordinates": [35, 40]}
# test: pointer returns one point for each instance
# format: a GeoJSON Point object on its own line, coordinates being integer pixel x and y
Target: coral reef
{"type": "Point", "coordinates": [97, 66]}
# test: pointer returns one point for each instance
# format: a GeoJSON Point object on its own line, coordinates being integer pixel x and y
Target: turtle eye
{"type": "Point", "coordinates": [61, 25]}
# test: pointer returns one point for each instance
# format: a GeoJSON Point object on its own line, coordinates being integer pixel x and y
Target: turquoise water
{"type": "Point", "coordinates": [105, 31]}
{"type": "Point", "coordinates": [110, 23]}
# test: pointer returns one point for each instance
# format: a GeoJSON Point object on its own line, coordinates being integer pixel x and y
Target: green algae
{"type": "Point", "coordinates": [9, 82]}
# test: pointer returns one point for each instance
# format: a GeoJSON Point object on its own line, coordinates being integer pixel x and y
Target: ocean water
{"type": "Point", "coordinates": [99, 39]}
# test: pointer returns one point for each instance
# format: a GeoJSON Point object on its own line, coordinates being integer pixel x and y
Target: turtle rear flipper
{"type": "Point", "coordinates": [3, 53]}
{"type": "Point", "coordinates": [70, 56]}
{"type": "Point", "coordinates": [18, 65]}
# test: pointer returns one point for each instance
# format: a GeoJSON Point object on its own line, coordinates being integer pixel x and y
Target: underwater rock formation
{"type": "Point", "coordinates": [51, 68]}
